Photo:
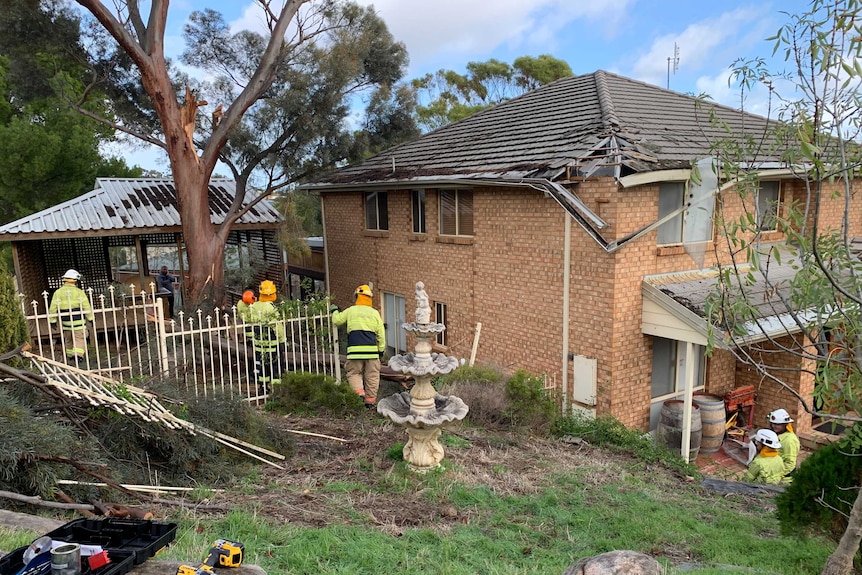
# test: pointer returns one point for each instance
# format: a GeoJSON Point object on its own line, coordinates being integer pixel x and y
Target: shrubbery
{"type": "Point", "coordinates": [303, 392]}
{"type": "Point", "coordinates": [823, 490]}
{"type": "Point", "coordinates": [607, 431]}
{"type": "Point", "coordinates": [498, 400]}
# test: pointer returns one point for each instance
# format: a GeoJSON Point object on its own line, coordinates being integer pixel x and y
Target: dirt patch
{"type": "Point", "coordinates": [331, 482]}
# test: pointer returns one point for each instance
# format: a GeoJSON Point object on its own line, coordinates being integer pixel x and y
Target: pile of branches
{"type": "Point", "coordinates": [59, 452]}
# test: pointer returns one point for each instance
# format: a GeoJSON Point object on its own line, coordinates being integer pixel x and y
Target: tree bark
{"type": "Point", "coordinates": [205, 242]}
{"type": "Point", "coordinates": [840, 562]}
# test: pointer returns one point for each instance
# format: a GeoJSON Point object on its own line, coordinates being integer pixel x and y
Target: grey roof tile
{"type": "Point", "coordinates": [597, 120]}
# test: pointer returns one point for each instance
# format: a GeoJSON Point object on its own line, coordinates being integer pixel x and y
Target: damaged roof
{"type": "Point", "coordinates": [593, 124]}
{"type": "Point", "coordinates": [133, 205]}
{"type": "Point", "coordinates": [685, 295]}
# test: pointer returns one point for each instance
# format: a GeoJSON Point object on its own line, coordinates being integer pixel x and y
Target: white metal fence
{"type": "Point", "coordinates": [129, 337]}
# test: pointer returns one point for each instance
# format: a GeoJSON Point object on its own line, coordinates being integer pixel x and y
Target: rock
{"type": "Point", "coordinates": [617, 563]}
{"type": "Point", "coordinates": [159, 567]}
{"type": "Point", "coordinates": [24, 521]}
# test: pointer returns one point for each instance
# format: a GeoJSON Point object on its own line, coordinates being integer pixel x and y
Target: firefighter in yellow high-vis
{"type": "Point", "coordinates": [71, 306]}
{"type": "Point", "coordinates": [268, 331]}
{"type": "Point", "coordinates": [366, 342]}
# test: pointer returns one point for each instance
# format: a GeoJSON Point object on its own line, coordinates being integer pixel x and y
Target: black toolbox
{"type": "Point", "coordinates": [144, 537]}
{"type": "Point", "coordinates": [129, 542]}
{"type": "Point", "coordinates": [121, 563]}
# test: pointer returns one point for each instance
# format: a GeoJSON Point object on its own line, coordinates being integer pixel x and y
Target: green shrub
{"type": "Point", "coordinates": [13, 326]}
{"type": "Point", "coordinates": [148, 452]}
{"type": "Point", "coordinates": [28, 438]}
{"type": "Point", "coordinates": [530, 404]}
{"type": "Point", "coordinates": [831, 475]}
{"type": "Point", "coordinates": [607, 431]}
{"type": "Point", "coordinates": [483, 389]}
{"type": "Point", "coordinates": [489, 374]}
{"type": "Point", "coordinates": [497, 400]}
{"type": "Point", "coordinates": [303, 392]}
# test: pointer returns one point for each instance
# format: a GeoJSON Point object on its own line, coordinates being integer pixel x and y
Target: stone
{"type": "Point", "coordinates": [159, 567]}
{"type": "Point", "coordinates": [617, 563]}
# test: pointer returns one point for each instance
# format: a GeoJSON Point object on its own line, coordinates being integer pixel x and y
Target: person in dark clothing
{"type": "Point", "coordinates": [165, 288]}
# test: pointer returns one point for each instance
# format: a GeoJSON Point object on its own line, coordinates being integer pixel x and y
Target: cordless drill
{"type": "Point", "coordinates": [223, 553]}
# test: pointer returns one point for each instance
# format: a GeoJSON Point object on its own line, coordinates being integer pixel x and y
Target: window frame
{"type": "Point", "coordinates": [460, 211]}
{"type": "Point", "coordinates": [762, 211]}
{"type": "Point", "coordinates": [441, 312]}
{"type": "Point", "coordinates": [418, 205]}
{"type": "Point", "coordinates": [678, 221]}
{"type": "Point", "coordinates": [378, 201]}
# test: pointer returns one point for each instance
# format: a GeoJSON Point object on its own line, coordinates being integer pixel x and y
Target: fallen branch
{"type": "Point", "coordinates": [318, 435]}
{"type": "Point", "coordinates": [36, 500]}
{"type": "Point", "coordinates": [154, 489]}
{"type": "Point", "coordinates": [63, 496]}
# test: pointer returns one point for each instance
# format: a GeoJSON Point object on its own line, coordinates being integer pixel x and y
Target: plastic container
{"type": "Point", "coordinates": [143, 537]}
{"type": "Point", "coordinates": [121, 563]}
{"type": "Point", "coordinates": [128, 542]}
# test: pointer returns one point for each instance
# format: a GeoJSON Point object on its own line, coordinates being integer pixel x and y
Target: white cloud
{"type": "Point", "coordinates": [702, 45]}
{"type": "Point", "coordinates": [472, 29]}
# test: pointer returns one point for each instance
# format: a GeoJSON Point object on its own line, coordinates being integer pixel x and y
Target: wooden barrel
{"type": "Point", "coordinates": [712, 420]}
{"type": "Point", "coordinates": [670, 424]}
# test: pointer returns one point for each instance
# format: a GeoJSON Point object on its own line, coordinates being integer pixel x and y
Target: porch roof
{"type": "Point", "coordinates": [130, 206]}
{"type": "Point", "coordinates": [674, 305]}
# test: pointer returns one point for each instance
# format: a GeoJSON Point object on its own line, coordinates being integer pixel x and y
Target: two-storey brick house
{"type": "Point", "coordinates": [557, 221]}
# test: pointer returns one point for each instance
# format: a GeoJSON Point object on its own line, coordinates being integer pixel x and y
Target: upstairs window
{"type": "Point", "coordinates": [376, 211]}
{"type": "Point", "coordinates": [768, 200]}
{"type": "Point", "coordinates": [456, 212]}
{"type": "Point", "coordinates": [418, 202]}
{"type": "Point", "coordinates": [671, 197]}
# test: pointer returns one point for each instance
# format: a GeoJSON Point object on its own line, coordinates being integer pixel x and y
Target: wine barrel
{"type": "Point", "coordinates": [712, 419]}
{"type": "Point", "coordinates": [670, 425]}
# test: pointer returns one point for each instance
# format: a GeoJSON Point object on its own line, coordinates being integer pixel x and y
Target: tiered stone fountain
{"type": "Point", "coordinates": [422, 411]}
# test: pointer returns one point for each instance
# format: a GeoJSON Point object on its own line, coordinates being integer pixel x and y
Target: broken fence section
{"type": "Point", "coordinates": [129, 337]}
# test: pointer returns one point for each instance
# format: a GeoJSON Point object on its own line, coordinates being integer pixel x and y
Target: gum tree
{"type": "Point", "coordinates": [817, 106]}
{"type": "Point", "coordinates": [276, 100]}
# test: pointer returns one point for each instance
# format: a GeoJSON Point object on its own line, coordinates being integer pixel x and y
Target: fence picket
{"type": "Point", "coordinates": [207, 353]}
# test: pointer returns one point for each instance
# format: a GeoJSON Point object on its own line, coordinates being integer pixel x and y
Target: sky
{"type": "Point", "coordinates": [632, 38]}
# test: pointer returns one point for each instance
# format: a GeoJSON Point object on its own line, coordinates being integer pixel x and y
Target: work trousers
{"type": "Point", "coordinates": [75, 342]}
{"type": "Point", "coordinates": [363, 375]}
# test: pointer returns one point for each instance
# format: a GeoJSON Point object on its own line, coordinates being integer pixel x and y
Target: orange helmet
{"type": "Point", "coordinates": [248, 297]}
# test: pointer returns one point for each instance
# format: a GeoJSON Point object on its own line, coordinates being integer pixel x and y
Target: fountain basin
{"type": "Point", "coordinates": [433, 364]}
{"type": "Point", "coordinates": [446, 408]}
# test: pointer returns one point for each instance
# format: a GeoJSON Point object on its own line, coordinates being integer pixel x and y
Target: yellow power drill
{"type": "Point", "coordinates": [223, 553]}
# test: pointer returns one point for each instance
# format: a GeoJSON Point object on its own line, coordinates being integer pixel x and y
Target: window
{"type": "Point", "coordinates": [768, 199]}
{"type": "Point", "coordinates": [418, 201]}
{"type": "Point", "coordinates": [376, 211]}
{"type": "Point", "coordinates": [668, 373]}
{"type": "Point", "coordinates": [688, 225]}
{"type": "Point", "coordinates": [456, 212]}
{"type": "Point", "coordinates": [440, 317]}
{"type": "Point", "coordinates": [393, 319]}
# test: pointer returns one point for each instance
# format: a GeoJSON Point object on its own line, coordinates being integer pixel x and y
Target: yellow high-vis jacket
{"type": "Point", "coordinates": [366, 336]}
{"type": "Point", "coordinates": [73, 307]}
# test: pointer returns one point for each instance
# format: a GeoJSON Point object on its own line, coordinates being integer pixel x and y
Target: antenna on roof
{"type": "Point", "coordinates": [675, 61]}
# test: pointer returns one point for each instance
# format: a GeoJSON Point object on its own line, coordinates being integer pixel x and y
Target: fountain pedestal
{"type": "Point", "coordinates": [422, 411]}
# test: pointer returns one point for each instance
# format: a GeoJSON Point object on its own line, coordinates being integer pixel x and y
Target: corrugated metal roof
{"type": "Point", "coordinates": [128, 204]}
{"type": "Point", "coordinates": [593, 123]}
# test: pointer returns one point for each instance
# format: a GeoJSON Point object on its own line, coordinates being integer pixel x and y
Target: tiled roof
{"type": "Point", "coordinates": [598, 123]}
{"type": "Point", "coordinates": [139, 205]}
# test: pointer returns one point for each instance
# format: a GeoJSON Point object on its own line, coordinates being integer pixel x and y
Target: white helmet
{"type": "Point", "coordinates": [768, 438]}
{"type": "Point", "coordinates": [779, 416]}
{"type": "Point", "coordinates": [71, 275]}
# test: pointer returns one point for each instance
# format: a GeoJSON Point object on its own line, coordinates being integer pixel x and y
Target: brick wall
{"type": "Point", "coordinates": [509, 277]}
